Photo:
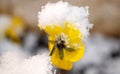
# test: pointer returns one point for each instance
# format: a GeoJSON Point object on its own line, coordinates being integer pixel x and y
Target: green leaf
{"type": "Point", "coordinates": [53, 49]}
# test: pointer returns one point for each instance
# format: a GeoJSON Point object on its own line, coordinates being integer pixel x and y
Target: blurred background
{"type": "Point", "coordinates": [19, 32]}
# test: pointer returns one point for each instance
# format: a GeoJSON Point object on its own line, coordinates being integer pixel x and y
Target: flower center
{"type": "Point", "coordinates": [61, 41]}
{"type": "Point", "coordinates": [60, 44]}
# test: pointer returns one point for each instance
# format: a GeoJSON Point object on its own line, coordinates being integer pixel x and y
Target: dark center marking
{"type": "Point", "coordinates": [60, 44]}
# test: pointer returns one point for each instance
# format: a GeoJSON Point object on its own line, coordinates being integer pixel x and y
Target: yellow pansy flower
{"type": "Point", "coordinates": [16, 27]}
{"type": "Point", "coordinates": [65, 44]}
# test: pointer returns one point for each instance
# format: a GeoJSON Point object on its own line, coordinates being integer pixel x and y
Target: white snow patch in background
{"type": "Point", "coordinates": [13, 63]}
{"type": "Point", "coordinates": [6, 46]}
{"type": "Point", "coordinates": [4, 24]}
{"type": "Point", "coordinates": [112, 67]}
{"type": "Point", "coordinates": [61, 12]}
{"type": "Point", "coordinates": [97, 50]}
{"type": "Point", "coordinates": [92, 71]}
{"type": "Point", "coordinates": [30, 41]}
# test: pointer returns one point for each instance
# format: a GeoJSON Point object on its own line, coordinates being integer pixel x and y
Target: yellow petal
{"type": "Point", "coordinates": [73, 33]}
{"type": "Point", "coordinates": [53, 30]}
{"type": "Point", "coordinates": [51, 44]}
{"type": "Point", "coordinates": [75, 37]}
{"type": "Point", "coordinates": [16, 21]}
{"type": "Point", "coordinates": [62, 64]}
{"type": "Point", "coordinates": [12, 35]}
{"type": "Point", "coordinates": [74, 56]}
